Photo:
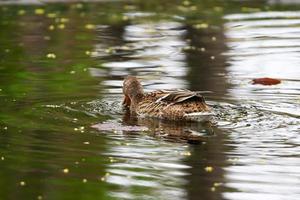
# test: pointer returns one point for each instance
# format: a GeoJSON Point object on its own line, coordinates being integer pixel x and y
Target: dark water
{"type": "Point", "coordinates": [61, 71]}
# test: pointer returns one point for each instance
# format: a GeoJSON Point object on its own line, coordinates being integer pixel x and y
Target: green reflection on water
{"type": "Point", "coordinates": [38, 139]}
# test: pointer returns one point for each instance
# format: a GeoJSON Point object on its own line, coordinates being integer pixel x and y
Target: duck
{"type": "Point", "coordinates": [169, 104]}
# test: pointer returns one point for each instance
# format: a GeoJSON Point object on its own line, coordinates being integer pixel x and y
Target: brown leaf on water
{"type": "Point", "coordinates": [266, 81]}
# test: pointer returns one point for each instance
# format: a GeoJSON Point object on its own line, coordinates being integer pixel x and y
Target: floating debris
{"type": "Point", "coordinates": [61, 26]}
{"type": "Point", "coordinates": [79, 5]}
{"type": "Point", "coordinates": [186, 3]}
{"type": "Point", "coordinates": [51, 55]}
{"type": "Point", "coordinates": [94, 53]}
{"type": "Point", "coordinates": [39, 11]}
{"type": "Point", "coordinates": [51, 15]}
{"type": "Point", "coordinates": [52, 106]}
{"type": "Point", "coordinates": [218, 9]}
{"type": "Point", "coordinates": [40, 197]}
{"type": "Point", "coordinates": [51, 27]}
{"type": "Point", "coordinates": [209, 169]}
{"type": "Point", "coordinates": [266, 81]}
{"type": "Point", "coordinates": [193, 8]}
{"type": "Point", "coordinates": [187, 48]}
{"type": "Point", "coordinates": [22, 183]}
{"type": "Point", "coordinates": [64, 20]}
{"type": "Point", "coordinates": [112, 160]}
{"type": "Point", "coordinates": [201, 26]}
{"type": "Point", "coordinates": [217, 184]}
{"type": "Point", "coordinates": [66, 171]}
{"type": "Point", "coordinates": [103, 178]}
{"type": "Point", "coordinates": [213, 189]}
{"type": "Point", "coordinates": [186, 153]}
{"type": "Point", "coordinates": [129, 7]}
{"type": "Point", "coordinates": [109, 50]}
{"type": "Point", "coordinates": [86, 142]}
{"type": "Point", "coordinates": [90, 26]}
{"type": "Point", "coordinates": [84, 180]}
{"type": "Point", "coordinates": [125, 18]}
{"type": "Point", "coordinates": [21, 12]}
{"type": "Point", "coordinates": [2, 158]}
{"type": "Point", "coordinates": [81, 129]}
{"type": "Point", "coordinates": [233, 160]}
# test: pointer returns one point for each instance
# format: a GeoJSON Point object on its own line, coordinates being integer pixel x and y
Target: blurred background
{"type": "Point", "coordinates": [62, 64]}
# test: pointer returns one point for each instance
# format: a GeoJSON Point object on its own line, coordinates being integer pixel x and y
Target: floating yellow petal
{"type": "Point", "coordinates": [61, 26]}
{"type": "Point", "coordinates": [51, 55]}
{"type": "Point", "coordinates": [201, 26]}
{"type": "Point", "coordinates": [51, 15]}
{"type": "Point", "coordinates": [90, 26]}
{"type": "Point", "coordinates": [51, 27]}
{"type": "Point", "coordinates": [39, 11]}
{"type": "Point", "coordinates": [186, 153]}
{"type": "Point", "coordinates": [217, 184]}
{"type": "Point", "coordinates": [64, 20]}
{"type": "Point", "coordinates": [186, 3]}
{"type": "Point", "coordinates": [22, 183]}
{"type": "Point", "coordinates": [209, 169]}
{"type": "Point", "coordinates": [21, 12]}
{"type": "Point", "coordinates": [79, 5]}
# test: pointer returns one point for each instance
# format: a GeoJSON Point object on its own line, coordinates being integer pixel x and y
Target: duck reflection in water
{"type": "Point", "coordinates": [176, 131]}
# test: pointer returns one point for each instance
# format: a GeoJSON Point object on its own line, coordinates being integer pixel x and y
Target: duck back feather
{"type": "Point", "coordinates": [178, 96]}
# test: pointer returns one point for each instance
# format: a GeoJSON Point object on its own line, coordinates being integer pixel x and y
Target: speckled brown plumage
{"type": "Point", "coordinates": [164, 104]}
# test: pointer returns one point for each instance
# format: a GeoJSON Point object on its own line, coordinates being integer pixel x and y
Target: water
{"type": "Point", "coordinates": [61, 71]}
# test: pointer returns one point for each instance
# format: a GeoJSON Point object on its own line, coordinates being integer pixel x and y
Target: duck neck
{"type": "Point", "coordinates": [137, 98]}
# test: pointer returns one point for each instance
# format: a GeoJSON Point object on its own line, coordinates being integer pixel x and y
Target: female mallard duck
{"type": "Point", "coordinates": [164, 104]}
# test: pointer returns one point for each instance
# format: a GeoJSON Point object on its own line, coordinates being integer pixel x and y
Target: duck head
{"type": "Point", "coordinates": [133, 92]}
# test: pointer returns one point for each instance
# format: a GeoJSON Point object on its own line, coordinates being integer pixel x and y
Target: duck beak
{"type": "Point", "coordinates": [126, 101]}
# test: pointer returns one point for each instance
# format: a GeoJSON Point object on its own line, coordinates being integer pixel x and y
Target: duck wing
{"type": "Point", "coordinates": [179, 96]}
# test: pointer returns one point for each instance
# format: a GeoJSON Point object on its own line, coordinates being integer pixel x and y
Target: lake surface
{"type": "Point", "coordinates": [61, 72]}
